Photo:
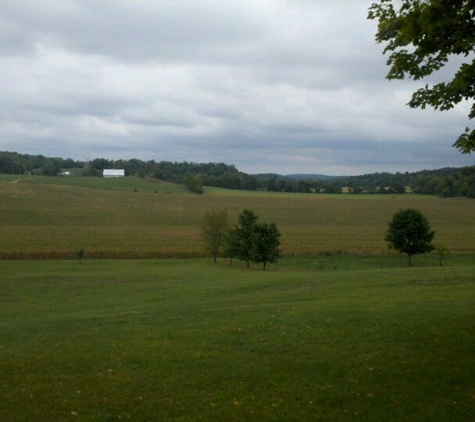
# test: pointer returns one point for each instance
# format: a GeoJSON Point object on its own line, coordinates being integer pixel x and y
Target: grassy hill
{"type": "Point", "coordinates": [142, 218]}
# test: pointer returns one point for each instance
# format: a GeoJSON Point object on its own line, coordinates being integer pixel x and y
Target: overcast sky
{"type": "Point", "coordinates": [283, 86]}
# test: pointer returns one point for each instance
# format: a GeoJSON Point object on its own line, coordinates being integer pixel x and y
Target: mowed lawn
{"type": "Point", "coordinates": [136, 218]}
{"type": "Point", "coordinates": [192, 340]}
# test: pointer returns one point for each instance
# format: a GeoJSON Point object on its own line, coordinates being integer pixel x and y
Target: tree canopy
{"type": "Point", "coordinates": [422, 36]}
{"type": "Point", "coordinates": [242, 236]}
{"type": "Point", "coordinates": [409, 232]}
{"type": "Point", "coordinates": [253, 241]}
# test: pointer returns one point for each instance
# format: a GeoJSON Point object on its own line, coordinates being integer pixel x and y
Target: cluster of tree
{"type": "Point", "coordinates": [446, 182]}
{"type": "Point", "coordinates": [370, 183]}
{"type": "Point", "coordinates": [380, 183]}
{"type": "Point", "coordinates": [460, 182]}
{"type": "Point", "coordinates": [14, 163]}
{"type": "Point", "coordinates": [175, 172]}
{"type": "Point", "coordinates": [208, 174]}
{"type": "Point", "coordinates": [301, 184]}
{"type": "Point", "coordinates": [248, 240]}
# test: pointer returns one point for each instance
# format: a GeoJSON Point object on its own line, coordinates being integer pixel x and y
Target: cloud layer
{"type": "Point", "coordinates": [269, 86]}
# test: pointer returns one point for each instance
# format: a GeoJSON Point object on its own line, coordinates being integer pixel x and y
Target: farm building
{"type": "Point", "coordinates": [113, 173]}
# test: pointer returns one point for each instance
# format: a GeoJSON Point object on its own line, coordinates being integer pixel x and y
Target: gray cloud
{"type": "Point", "coordinates": [270, 86]}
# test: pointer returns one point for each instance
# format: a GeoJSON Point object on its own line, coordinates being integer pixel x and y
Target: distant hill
{"type": "Point", "coordinates": [311, 176]}
{"type": "Point", "coordinates": [296, 176]}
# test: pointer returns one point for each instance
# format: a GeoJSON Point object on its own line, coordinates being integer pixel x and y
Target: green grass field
{"type": "Point", "coordinates": [138, 218]}
{"type": "Point", "coordinates": [338, 330]}
{"type": "Point", "coordinates": [189, 340]}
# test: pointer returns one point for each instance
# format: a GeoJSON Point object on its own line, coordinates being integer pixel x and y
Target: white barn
{"type": "Point", "coordinates": [113, 173]}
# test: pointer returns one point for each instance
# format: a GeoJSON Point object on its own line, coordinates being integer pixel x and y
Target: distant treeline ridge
{"type": "Point", "coordinates": [446, 182]}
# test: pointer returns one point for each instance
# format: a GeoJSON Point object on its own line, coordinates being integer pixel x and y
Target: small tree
{"type": "Point", "coordinates": [442, 253]}
{"type": "Point", "coordinates": [410, 232]}
{"type": "Point", "coordinates": [81, 254]}
{"type": "Point", "coordinates": [194, 184]}
{"type": "Point", "coordinates": [266, 244]}
{"type": "Point", "coordinates": [214, 230]}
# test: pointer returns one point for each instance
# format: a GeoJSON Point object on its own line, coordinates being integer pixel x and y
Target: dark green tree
{"type": "Point", "coordinates": [242, 237]}
{"type": "Point", "coordinates": [194, 184]}
{"type": "Point", "coordinates": [81, 254]}
{"type": "Point", "coordinates": [397, 187]}
{"type": "Point", "coordinates": [50, 168]}
{"type": "Point", "coordinates": [421, 36]}
{"type": "Point", "coordinates": [410, 232]}
{"type": "Point", "coordinates": [265, 244]}
{"type": "Point", "coordinates": [214, 230]}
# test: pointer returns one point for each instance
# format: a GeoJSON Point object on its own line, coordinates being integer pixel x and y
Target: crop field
{"type": "Point", "coordinates": [191, 340]}
{"type": "Point", "coordinates": [138, 218]}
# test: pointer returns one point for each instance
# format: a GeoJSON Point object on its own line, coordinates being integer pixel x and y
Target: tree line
{"type": "Point", "coordinates": [446, 182]}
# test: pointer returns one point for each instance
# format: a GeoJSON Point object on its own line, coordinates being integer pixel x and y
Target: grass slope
{"type": "Point", "coordinates": [189, 340]}
{"type": "Point", "coordinates": [136, 218]}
